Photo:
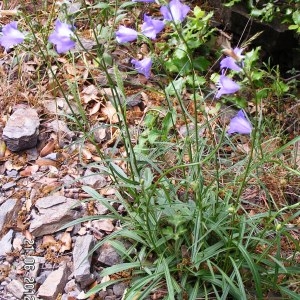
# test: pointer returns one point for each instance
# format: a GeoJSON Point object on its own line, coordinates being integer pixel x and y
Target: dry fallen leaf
{"type": "Point", "coordinates": [89, 93]}
{"type": "Point", "coordinates": [95, 108]}
{"type": "Point", "coordinates": [66, 242]}
{"type": "Point", "coordinates": [110, 112]}
{"type": "Point", "coordinates": [45, 162]}
{"type": "Point", "coordinates": [2, 148]}
{"type": "Point", "coordinates": [105, 225]}
{"type": "Point", "coordinates": [50, 146]}
{"type": "Point", "coordinates": [29, 170]}
{"type": "Point", "coordinates": [49, 241]}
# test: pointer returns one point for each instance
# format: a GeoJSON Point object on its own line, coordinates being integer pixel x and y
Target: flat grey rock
{"type": "Point", "coordinates": [108, 255]}
{"type": "Point", "coordinates": [6, 243]}
{"type": "Point", "coordinates": [54, 284]}
{"type": "Point", "coordinates": [22, 129]}
{"type": "Point", "coordinates": [16, 288]}
{"type": "Point", "coordinates": [53, 213]}
{"type": "Point", "coordinates": [82, 261]}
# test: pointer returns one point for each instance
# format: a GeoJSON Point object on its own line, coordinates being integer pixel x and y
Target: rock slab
{"type": "Point", "coordinates": [8, 212]}
{"type": "Point", "coordinates": [108, 255]}
{"type": "Point", "coordinates": [82, 260]}
{"type": "Point", "coordinates": [54, 284]}
{"type": "Point", "coordinates": [53, 213]}
{"type": "Point", "coordinates": [6, 243]}
{"type": "Point", "coordinates": [22, 129]}
{"type": "Point", "coordinates": [16, 288]}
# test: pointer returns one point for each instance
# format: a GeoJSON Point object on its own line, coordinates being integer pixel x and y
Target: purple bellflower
{"type": "Point", "coordinates": [62, 37]}
{"type": "Point", "coordinates": [226, 86]}
{"type": "Point", "coordinates": [11, 35]}
{"type": "Point", "coordinates": [151, 27]}
{"type": "Point", "coordinates": [143, 66]}
{"type": "Point", "coordinates": [175, 11]}
{"type": "Point", "coordinates": [239, 124]}
{"type": "Point", "coordinates": [233, 60]}
{"type": "Point", "coordinates": [124, 34]}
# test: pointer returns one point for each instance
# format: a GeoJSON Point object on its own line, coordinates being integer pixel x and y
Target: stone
{"type": "Point", "coordinates": [54, 284]}
{"type": "Point", "coordinates": [22, 129]}
{"type": "Point", "coordinates": [71, 286]}
{"type": "Point", "coordinates": [108, 255]}
{"type": "Point", "coordinates": [8, 212]}
{"type": "Point", "coordinates": [16, 288]}
{"type": "Point", "coordinates": [38, 261]}
{"type": "Point", "coordinates": [119, 288]}
{"type": "Point", "coordinates": [6, 243]}
{"type": "Point", "coordinates": [82, 261]}
{"type": "Point", "coordinates": [93, 179]}
{"type": "Point", "coordinates": [53, 213]}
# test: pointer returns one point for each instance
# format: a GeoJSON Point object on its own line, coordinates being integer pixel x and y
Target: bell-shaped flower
{"type": "Point", "coordinates": [226, 86]}
{"type": "Point", "coordinates": [152, 27]}
{"type": "Point", "coordinates": [239, 124]}
{"type": "Point", "coordinates": [175, 11]}
{"type": "Point", "coordinates": [234, 59]}
{"type": "Point", "coordinates": [11, 36]}
{"type": "Point", "coordinates": [62, 37]}
{"type": "Point", "coordinates": [143, 66]}
{"type": "Point", "coordinates": [124, 34]}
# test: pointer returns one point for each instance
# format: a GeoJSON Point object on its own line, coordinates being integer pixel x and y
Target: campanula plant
{"type": "Point", "coordinates": [175, 11]}
{"type": "Point", "coordinates": [181, 196]}
{"type": "Point", "coordinates": [125, 34]}
{"type": "Point", "coordinates": [151, 27]}
{"type": "Point", "coordinates": [226, 86]}
{"type": "Point", "coordinates": [239, 124]}
{"type": "Point", "coordinates": [234, 60]}
{"type": "Point", "coordinates": [143, 66]}
{"type": "Point", "coordinates": [62, 37]}
{"type": "Point", "coordinates": [11, 36]}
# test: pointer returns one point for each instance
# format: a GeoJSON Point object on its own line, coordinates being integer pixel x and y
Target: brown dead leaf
{"type": "Point", "coordinates": [50, 146]}
{"type": "Point", "coordinates": [107, 191]}
{"type": "Point", "coordinates": [2, 148]}
{"type": "Point", "coordinates": [66, 242]}
{"type": "Point", "coordinates": [104, 225]}
{"type": "Point", "coordinates": [89, 93]}
{"type": "Point", "coordinates": [28, 204]}
{"type": "Point", "coordinates": [244, 148]}
{"type": "Point", "coordinates": [110, 112]}
{"type": "Point", "coordinates": [50, 242]}
{"type": "Point", "coordinates": [86, 153]}
{"type": "Point", "coordinates": [71, 69]}
{"type": "Point", "coordinates": [29, 170]}
{"type": "Point", "coordinates": [45, 162]}
{"type": "Point", "coordinates": [82, 231]}
{"type": "Point", "coordinates": [95, 108]}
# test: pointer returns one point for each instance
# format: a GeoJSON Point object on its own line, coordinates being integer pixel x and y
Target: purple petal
{"type": "Point", "coordinates": [233, 60]}
{"type": "Point", "coordinates": [226, 86]}
{"type": "Point", "coordinates": [239, 124]}
{"type": "Point", "coordinates": [230, 63]}
{"type": "Point", "coordinates": [124, 34]}
{"type": "Point", "coordinates": [151, 27]}
{"type": "Point", "coordinates": [62, 37]}
{"type": "Point", "coordinates": [11, 36]}
{"type": "Point", "coordinates": [175, 11]}
{"type": "Point", "coordinates": [143, 66]}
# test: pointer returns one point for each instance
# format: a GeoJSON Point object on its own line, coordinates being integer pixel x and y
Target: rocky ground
{"type": "Point", "coordinates": [40, 193]}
